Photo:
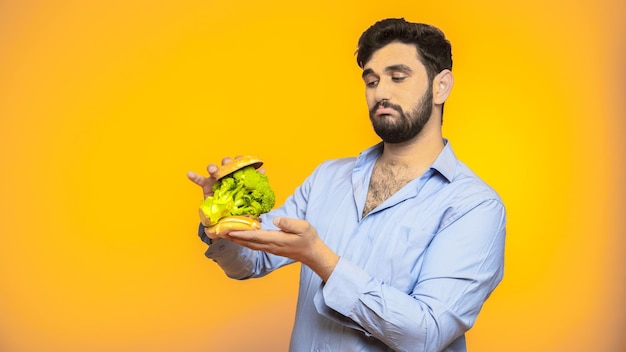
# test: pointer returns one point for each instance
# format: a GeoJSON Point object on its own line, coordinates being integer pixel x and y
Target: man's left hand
{"type": "Point", "coordinates": [296, 239]}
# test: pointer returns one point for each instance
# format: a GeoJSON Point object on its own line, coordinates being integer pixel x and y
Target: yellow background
{"type": "Point", "coordinates": [105, 105]}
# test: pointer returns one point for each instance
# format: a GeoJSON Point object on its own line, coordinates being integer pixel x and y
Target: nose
{"type": "Point", "coordinates": [382, 91]}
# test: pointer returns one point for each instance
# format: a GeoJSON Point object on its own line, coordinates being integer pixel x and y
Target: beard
{"type": "Point", "coordinates": [406, 126]}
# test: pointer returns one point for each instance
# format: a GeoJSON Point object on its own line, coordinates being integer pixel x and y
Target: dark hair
{"type": "Point", "coordinates": [434, 50]}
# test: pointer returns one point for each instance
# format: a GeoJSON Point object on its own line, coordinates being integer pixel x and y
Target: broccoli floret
{"type": "Point", "coordinates": [244, 192]}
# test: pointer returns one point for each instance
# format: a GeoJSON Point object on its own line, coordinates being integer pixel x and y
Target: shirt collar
{"type": "Point", "coordinates": [445, 163]}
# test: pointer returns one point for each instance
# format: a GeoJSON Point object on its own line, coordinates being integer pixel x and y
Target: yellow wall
{"type": "Point", "coordinates": [104, 106]}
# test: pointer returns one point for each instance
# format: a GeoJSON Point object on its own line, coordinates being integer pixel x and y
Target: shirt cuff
{"type": "Point", "coordinates": [344, 287]}
{"type": "Point", "coordinates": [203, 235]}
{"type": "Point", "coordinates": [337, 298]}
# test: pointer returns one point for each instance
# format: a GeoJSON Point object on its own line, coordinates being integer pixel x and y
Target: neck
{"type": "Point", "coordinates": [417, 154]}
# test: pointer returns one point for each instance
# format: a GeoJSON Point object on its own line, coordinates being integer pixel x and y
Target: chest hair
{"type": "Point", "coordinates": [386, 180]}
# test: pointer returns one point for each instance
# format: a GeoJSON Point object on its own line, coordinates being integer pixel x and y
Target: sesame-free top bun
{"type": "Point", "coordinates": [238, 163]}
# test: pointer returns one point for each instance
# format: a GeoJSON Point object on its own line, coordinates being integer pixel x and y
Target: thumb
{"type": "Point", "coordinates": [290, 225]}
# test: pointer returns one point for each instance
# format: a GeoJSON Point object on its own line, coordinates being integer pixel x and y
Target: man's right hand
{"type": "Point", "coordinates": [206, 183]}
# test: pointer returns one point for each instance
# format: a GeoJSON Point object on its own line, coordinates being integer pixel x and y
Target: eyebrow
{"type": "Point", "coordinates": [367, 72]}
{"type": "Point", "coordinates": [400, 67]}
{"type": "Point", "coordinates": [392, 68]}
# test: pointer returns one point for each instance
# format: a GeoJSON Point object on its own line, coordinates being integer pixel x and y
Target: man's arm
{"type": "Point", "coordinates": [462, 266]}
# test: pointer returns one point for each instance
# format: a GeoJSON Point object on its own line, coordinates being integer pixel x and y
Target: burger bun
{"type": "Point", "coordinates": [238, 163]}
{"type": "Point", "coordinates": [232, 223]}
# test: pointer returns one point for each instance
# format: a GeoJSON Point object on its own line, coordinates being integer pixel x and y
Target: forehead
{"type": "Point", "coordinates": [394, 54]}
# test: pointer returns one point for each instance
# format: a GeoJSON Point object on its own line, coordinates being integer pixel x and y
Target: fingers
{"type": "Point", "coordinates": [195, 178]}
{"type": "Point", "coordinates": [255, 240]}
{"type": "Point", "coordinates": [211, 169]}
{"type": "Point", "coordinates": [244, 236]}
{"type": "Point", "coordinates": [291, 225]}
{"type": "Point", "coordinates": [207, 182]}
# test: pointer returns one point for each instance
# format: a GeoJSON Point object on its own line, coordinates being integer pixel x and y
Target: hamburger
{"type": "Point", "coordinates": [240, 195]}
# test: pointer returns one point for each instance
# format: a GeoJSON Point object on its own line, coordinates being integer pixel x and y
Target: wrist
{"type": "Point", "coordinates": [324, 263]}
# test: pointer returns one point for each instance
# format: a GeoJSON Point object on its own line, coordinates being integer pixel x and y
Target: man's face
{"type": "Point", "coordinates": [398, 92]}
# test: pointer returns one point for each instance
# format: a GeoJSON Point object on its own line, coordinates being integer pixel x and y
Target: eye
{"type": "Point", "coordinates": [398, 78]}
{"type": "Point", "coordinates": [371, 83]}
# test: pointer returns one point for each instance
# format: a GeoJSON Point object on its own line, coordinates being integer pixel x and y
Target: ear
{"type": "Point", "coordinates": [442, 86]}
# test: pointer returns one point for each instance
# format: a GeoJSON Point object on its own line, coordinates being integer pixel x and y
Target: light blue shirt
{"type": "Point", "coordinates": [413, 273]}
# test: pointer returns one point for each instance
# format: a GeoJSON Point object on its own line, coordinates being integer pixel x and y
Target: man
{"type": "Point", "coordinates": [401, 245]}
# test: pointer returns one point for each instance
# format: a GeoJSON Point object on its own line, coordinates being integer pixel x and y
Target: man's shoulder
{"type": "Point", "coordinates": [467, 183]}
{"type": "Point", "coordinates": [338, 165]}
{"type": "Point", "coordinates": [349, 163]}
